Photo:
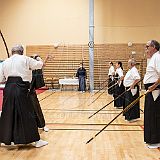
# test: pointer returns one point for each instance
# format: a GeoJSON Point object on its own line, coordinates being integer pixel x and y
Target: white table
{"type": "Point", "coordinates": [68, 81]}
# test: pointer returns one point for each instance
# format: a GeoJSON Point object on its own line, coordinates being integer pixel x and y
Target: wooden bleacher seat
{"type": "Point", "coordinates": [67, 59]}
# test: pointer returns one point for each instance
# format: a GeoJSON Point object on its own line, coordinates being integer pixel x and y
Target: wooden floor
{"type": "Point", "coordinates": [66, 114]}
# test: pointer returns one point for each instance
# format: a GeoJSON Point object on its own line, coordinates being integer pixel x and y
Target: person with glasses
{"type": "Point", "coordinates": [152, 99]}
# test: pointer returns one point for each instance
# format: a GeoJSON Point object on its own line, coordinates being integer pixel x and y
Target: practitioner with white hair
{"type": "Point", "coordinates": [17, 121]}
{"type": "Point", "coordinates": [131, 79]}
{"type": "Point", "coordinates": [152, 99]}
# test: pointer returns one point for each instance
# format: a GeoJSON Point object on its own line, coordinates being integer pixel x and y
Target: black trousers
{"type": "Point", "coordinates": [133, 112]}
{"type": "Point", "coordinates": [37, 109]}
{"type": "Point", "coordinates": [17, 121]}
{"type": "Point", "coordinates": [151, 118]}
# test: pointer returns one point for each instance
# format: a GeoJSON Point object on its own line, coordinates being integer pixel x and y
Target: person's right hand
{"type": "Point", "coordinates": [152, 87]}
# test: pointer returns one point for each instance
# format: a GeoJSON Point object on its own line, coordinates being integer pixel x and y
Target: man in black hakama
{"type": "Point", "coordinates": [119, 88]}
{"type": "Point", "coordinates": [152, 99]}
{"type": "Point", "coordinates": [17, 121]}
{"type": "Point", "coordinates": [130, 82]}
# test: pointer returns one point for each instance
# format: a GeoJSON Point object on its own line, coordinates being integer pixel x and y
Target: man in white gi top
{"type": "Point", "coordinates": [152, 99]}
{"type": "Point", "coordinates": [111, 82]}
{"type": "Point", "coordinates": [130, 82]}
{"type": "Point", "coordinates": [17, 121]}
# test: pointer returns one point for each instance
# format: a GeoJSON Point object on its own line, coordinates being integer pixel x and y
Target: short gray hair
{"type": "Point", "coordinates": [17, 49]}
{"type": "Point", "coordinates": [133, 61]}
{"type": "Point", "coordinates": [155, 44]}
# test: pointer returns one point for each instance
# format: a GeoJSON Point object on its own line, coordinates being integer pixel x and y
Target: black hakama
{"type": "Point", "coordinates": [82, 83]}
{"type": "Point", "coordinates": [151, 118]}
{"type": "Point", "coordinates": [37, 79]}
{"type": "Point", "coordinates": [118, 91]}
{"type": "Point", "coordinates": [110, 83]}
{"type": "Point", "coordinates": [17, 121]}
{"type": "Point", "coordinates": [37, 109]}
{"type": "Point", "coordinates": [37, 82]}
{"type": "Point", "coordinates": [81, 74]}
{"type": "Point", "coordinates": [134, 112]}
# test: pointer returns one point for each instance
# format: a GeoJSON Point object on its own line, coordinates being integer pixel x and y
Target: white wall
{"type": "Point", "coordinates": [32, 22]}
{"type": "Point", "coordinates": [45, 21]}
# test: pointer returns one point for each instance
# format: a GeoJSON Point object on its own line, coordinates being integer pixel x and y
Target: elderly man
{"type": "Point", "coordinates": [131, 79]}
{"type": "Point", "coordinates": [152, 99]}
{"type": "Point", "coordinates": [17, 121]}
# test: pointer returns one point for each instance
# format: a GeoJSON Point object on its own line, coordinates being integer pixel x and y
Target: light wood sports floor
{"type": "Point", "coordinates": [66, 114]}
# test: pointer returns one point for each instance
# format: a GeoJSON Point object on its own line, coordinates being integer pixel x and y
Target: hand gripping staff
{"type": "Point", "coordinates": [125, 110]}
{"type": "Point", "coordinates": [111, 101]}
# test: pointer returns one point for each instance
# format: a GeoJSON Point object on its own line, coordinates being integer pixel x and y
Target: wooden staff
{"type": "Point", "coordinates": [102, 93]}
{"type": "Point", "coordinates": [108, 103]}
{"type": "Point", "coordinates": [111, 101]}
{"type": "Point", "coordinates": [102, 87]}
{"type": "Point", "coordinates": [4, 43]}
{"type": "Point", "coordinates": [125, 110]}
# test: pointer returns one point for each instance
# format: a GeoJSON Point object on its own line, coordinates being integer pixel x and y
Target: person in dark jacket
{"type": "Point", "coordinates": [82, 75]}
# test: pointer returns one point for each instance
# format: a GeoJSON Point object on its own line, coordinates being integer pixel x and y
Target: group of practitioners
{"type": "Point", "coordinates": [21, 112]}
{"type": "Point", "coordinates": [125, 90]}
